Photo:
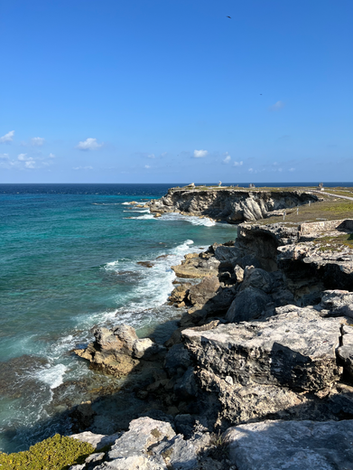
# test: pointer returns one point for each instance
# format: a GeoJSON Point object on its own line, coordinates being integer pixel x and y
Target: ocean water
{"type": "Point", "coordinates": [69, 261]}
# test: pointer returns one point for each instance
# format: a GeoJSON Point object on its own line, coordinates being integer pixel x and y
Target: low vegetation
{"type": "Point", "coordinates": [56, 453]}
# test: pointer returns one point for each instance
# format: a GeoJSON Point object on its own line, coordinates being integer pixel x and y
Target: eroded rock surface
{"type": "Point", "coordinates": [292, 445]}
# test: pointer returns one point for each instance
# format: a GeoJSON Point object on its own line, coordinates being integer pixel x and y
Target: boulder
{"type": "Point", "coordinates": [200, 293]}
{"type": "Point", "coordinates": [197, 267]}
{"type": "Point", "coordinates": [295, 349]}
{"type": "Point", "coordinates": [250, 303]}
{"type": "Point", "coordinates": [338, 302]}
{"type": "Point", "coordinates": [291, 445]}
{"type": "Point", "coordinates": [345, 352]}
{"type": "Point", "coordinates": [257, 278]}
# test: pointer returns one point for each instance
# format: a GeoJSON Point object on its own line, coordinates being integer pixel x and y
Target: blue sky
{"type": "Point", "coordinates": [173, 91]}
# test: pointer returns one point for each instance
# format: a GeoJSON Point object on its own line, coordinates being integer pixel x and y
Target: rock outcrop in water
{"type": "Point", "coordinates": [229, 204]}
{"type": "Point", "coordinates": [259, 375]}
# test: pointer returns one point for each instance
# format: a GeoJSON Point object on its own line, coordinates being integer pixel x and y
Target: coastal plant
{"type": "Point", "coordinates": [55, 453]}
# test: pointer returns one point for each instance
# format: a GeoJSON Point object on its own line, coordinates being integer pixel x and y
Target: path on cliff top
{"type": "Point", "coordinates": [334, 195]}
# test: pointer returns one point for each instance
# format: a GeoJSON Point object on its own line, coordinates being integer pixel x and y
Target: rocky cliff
{"type": "Point", "coordinates": [263, 356]}
{"type": "Point", "coordinates": [229, 204]}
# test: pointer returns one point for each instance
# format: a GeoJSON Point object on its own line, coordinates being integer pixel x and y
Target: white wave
{"type": "Point", "coordinates": [142, 217]}
{"type": "Point", "coordinates": [141, 211]}
{"type": "Point", "coordinates": [126, 204]}
{"type": "Point", "coordinates": [205, 221]}
{"type": "Point", "coordinates": [106, 203]}
{"type": "Point", "coordinates": [52, 375]}
{"type": "Point", "coordinates": [112, 266]}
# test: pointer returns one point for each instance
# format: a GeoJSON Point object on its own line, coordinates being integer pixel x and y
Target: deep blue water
{"type": "Point", "coordinates": [69, 261]}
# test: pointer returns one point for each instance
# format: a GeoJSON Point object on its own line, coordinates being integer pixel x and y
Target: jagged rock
{"type": "Point", "coordinates": [295, 349]}
{"type": "Point", "coordinates": [178, 357]}
{"type": "Point", "coordinates": [345, 352]}
{"type": "Point", "coordinates": [229, 204]}
{"type": "Point", "coordinates": [338, 302]}
{"type": "Point", "coordinates": [186, 386]}
{"type": "Point", "coordinates": [250, 303]}
{"type": "Point", "coordinates": [292, 445]}
{"type": "Point", "coordinates": [257, 278]}
{"type": "Point", "coordinates": [197, 267]}
{"type": "Point", "coordinates": [178, 453]}
{"type": "Point", "coordinates": [132, 450]}
{"type": "Point", "coordinates": [127, 336]}
{"type": "Point", "coordinates": [239, 273]}
{"type": "Point", "coordinates": [179, 293]}
{"type": "Point", "coordinates": [200, 293]}
{"type": "Point", "coordinates": [118, 351]}
{"type": "Point", "coordinates": [98, 441]}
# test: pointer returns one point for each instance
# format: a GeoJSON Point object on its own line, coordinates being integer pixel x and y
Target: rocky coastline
{"type": "Point", "coordinates": [259, 373]}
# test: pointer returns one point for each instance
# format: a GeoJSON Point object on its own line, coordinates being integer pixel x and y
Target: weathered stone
{"type": "Point", "coordinates": [230, 204]}
{"type": "Point", "coordinates": [106, 339]}
{"type": "Point", "coordinates": [98, 441]}
{"type": "Point", "coordinates": [295, 349]}
{"type": "Point", "coordinates": [126, 334]}
{"type": "Point", "coordinates": [239, 273]}
{"type": "Point", "coordinates": [250, 303]}
{"type": "Point", "coordinates": [178, 453]}
{"type": "Point", "coordinates": [179, 293]}
{"type": "Point", "coordinates": [197, 268]}
{"type": "Point", "coordinates": [257, 278]}
{"type": "Point", "coordinates": [345, 352]}
{"type": "Point", "coordinates": [177, 357]}
{"type": "Point", "coordinates": [200, 293]}
{"type": "Point", "coordinates": [131, 448]}
{"type": "Point", "coordinates": [145, 348]}
{"type": "Point", "coordinates": [292, 445]}
{"type": "Point", "coordinates": [338, 302]}
{"type": "Point", "coordinates": [186, 386]}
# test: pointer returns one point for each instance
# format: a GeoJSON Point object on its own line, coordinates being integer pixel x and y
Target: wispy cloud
{"type": "Point", "coordinates": [227, 158]}
{"type": "Point", "coordinates": [83, 168]}
{"type": "Point", "coordinates": [238, 163]}
{"type": "Point", "coordinates": [200, 153]}
{"type": "Point", "coordinates": [277, 106]}
{"type": "Point", "coordinates": [22, 157]}
{"type": "Point", "coordinates": [37, 141]}
{"type": "Point", "coordinates": [147, 166]}
{"type": "Point", "coordinates": [89, 144]}
{"type": "Point", "coordinates": [7, 137]}
{"type": "Point", "coordinates": [151, 155]}
{"type": "Point", "coordinates": [51, 155]}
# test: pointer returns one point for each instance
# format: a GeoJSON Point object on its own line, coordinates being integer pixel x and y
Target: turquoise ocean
{"type": "Point", "coordinates": [69, 262]}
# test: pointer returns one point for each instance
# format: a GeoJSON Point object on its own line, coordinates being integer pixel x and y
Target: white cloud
{"type": "Point", "coordinates": [151, 155]}
{"type": "Point", "coordinates": [147, 166]}
{"type": "Point", "coordinates": [251, 170]}
{"type": "Point", "coordinates": [51, 155]}
{"type": "Point", "coordinates": [164, 154]}
{"type": "Point", "coordinates": [227, 159]}
{"type": "Point", "coordinates": [37, 141]}
{"type": "Point", "coordinates": [83, 168]}
{"type": "Point", "coordinates": [30, 164]}
{"type": "Point", "coordinates": [22, 157]}
{"type": "Point", "coordinates": [277, 106]}
{"type": "Point", "coordinates": [238, 163]}
{"type": "Point", "coordinates": [89, 144]}
{"type": "Point", "coordinates": [200, 153]}
{"type": "Point", "coordinates": [291, 169]}
{"type": "Point", "coordinates": [7, 137]}
{"type": "Point", "coordinates": [4, 156]}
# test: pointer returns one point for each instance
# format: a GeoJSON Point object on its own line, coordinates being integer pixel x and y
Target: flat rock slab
{"type": "Point", "coordinates": [292, 445]}
{"type": "Point", "coordinates": [296, 349]}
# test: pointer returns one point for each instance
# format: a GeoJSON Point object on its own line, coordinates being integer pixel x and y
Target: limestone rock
{"type": "Point", "coordinates": [296, 349]}
{"type": "Point", "coordinates": [292, 445]}
{"type": "Point", "coordinates": [250, 303]}
{"type": "Point", "coordinates": [98, 441]}
{"type": "Point", "coordinates": [339, 302]}
{"type": "Point", "coordinates": [197, 267]}
{"type": "Point", "coordinates": [345, 352]}
{"type": "Point", "coordinates": [200, 293]}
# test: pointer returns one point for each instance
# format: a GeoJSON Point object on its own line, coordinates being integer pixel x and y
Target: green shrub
{"type": "Point", "coordinates": [56, 453]}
